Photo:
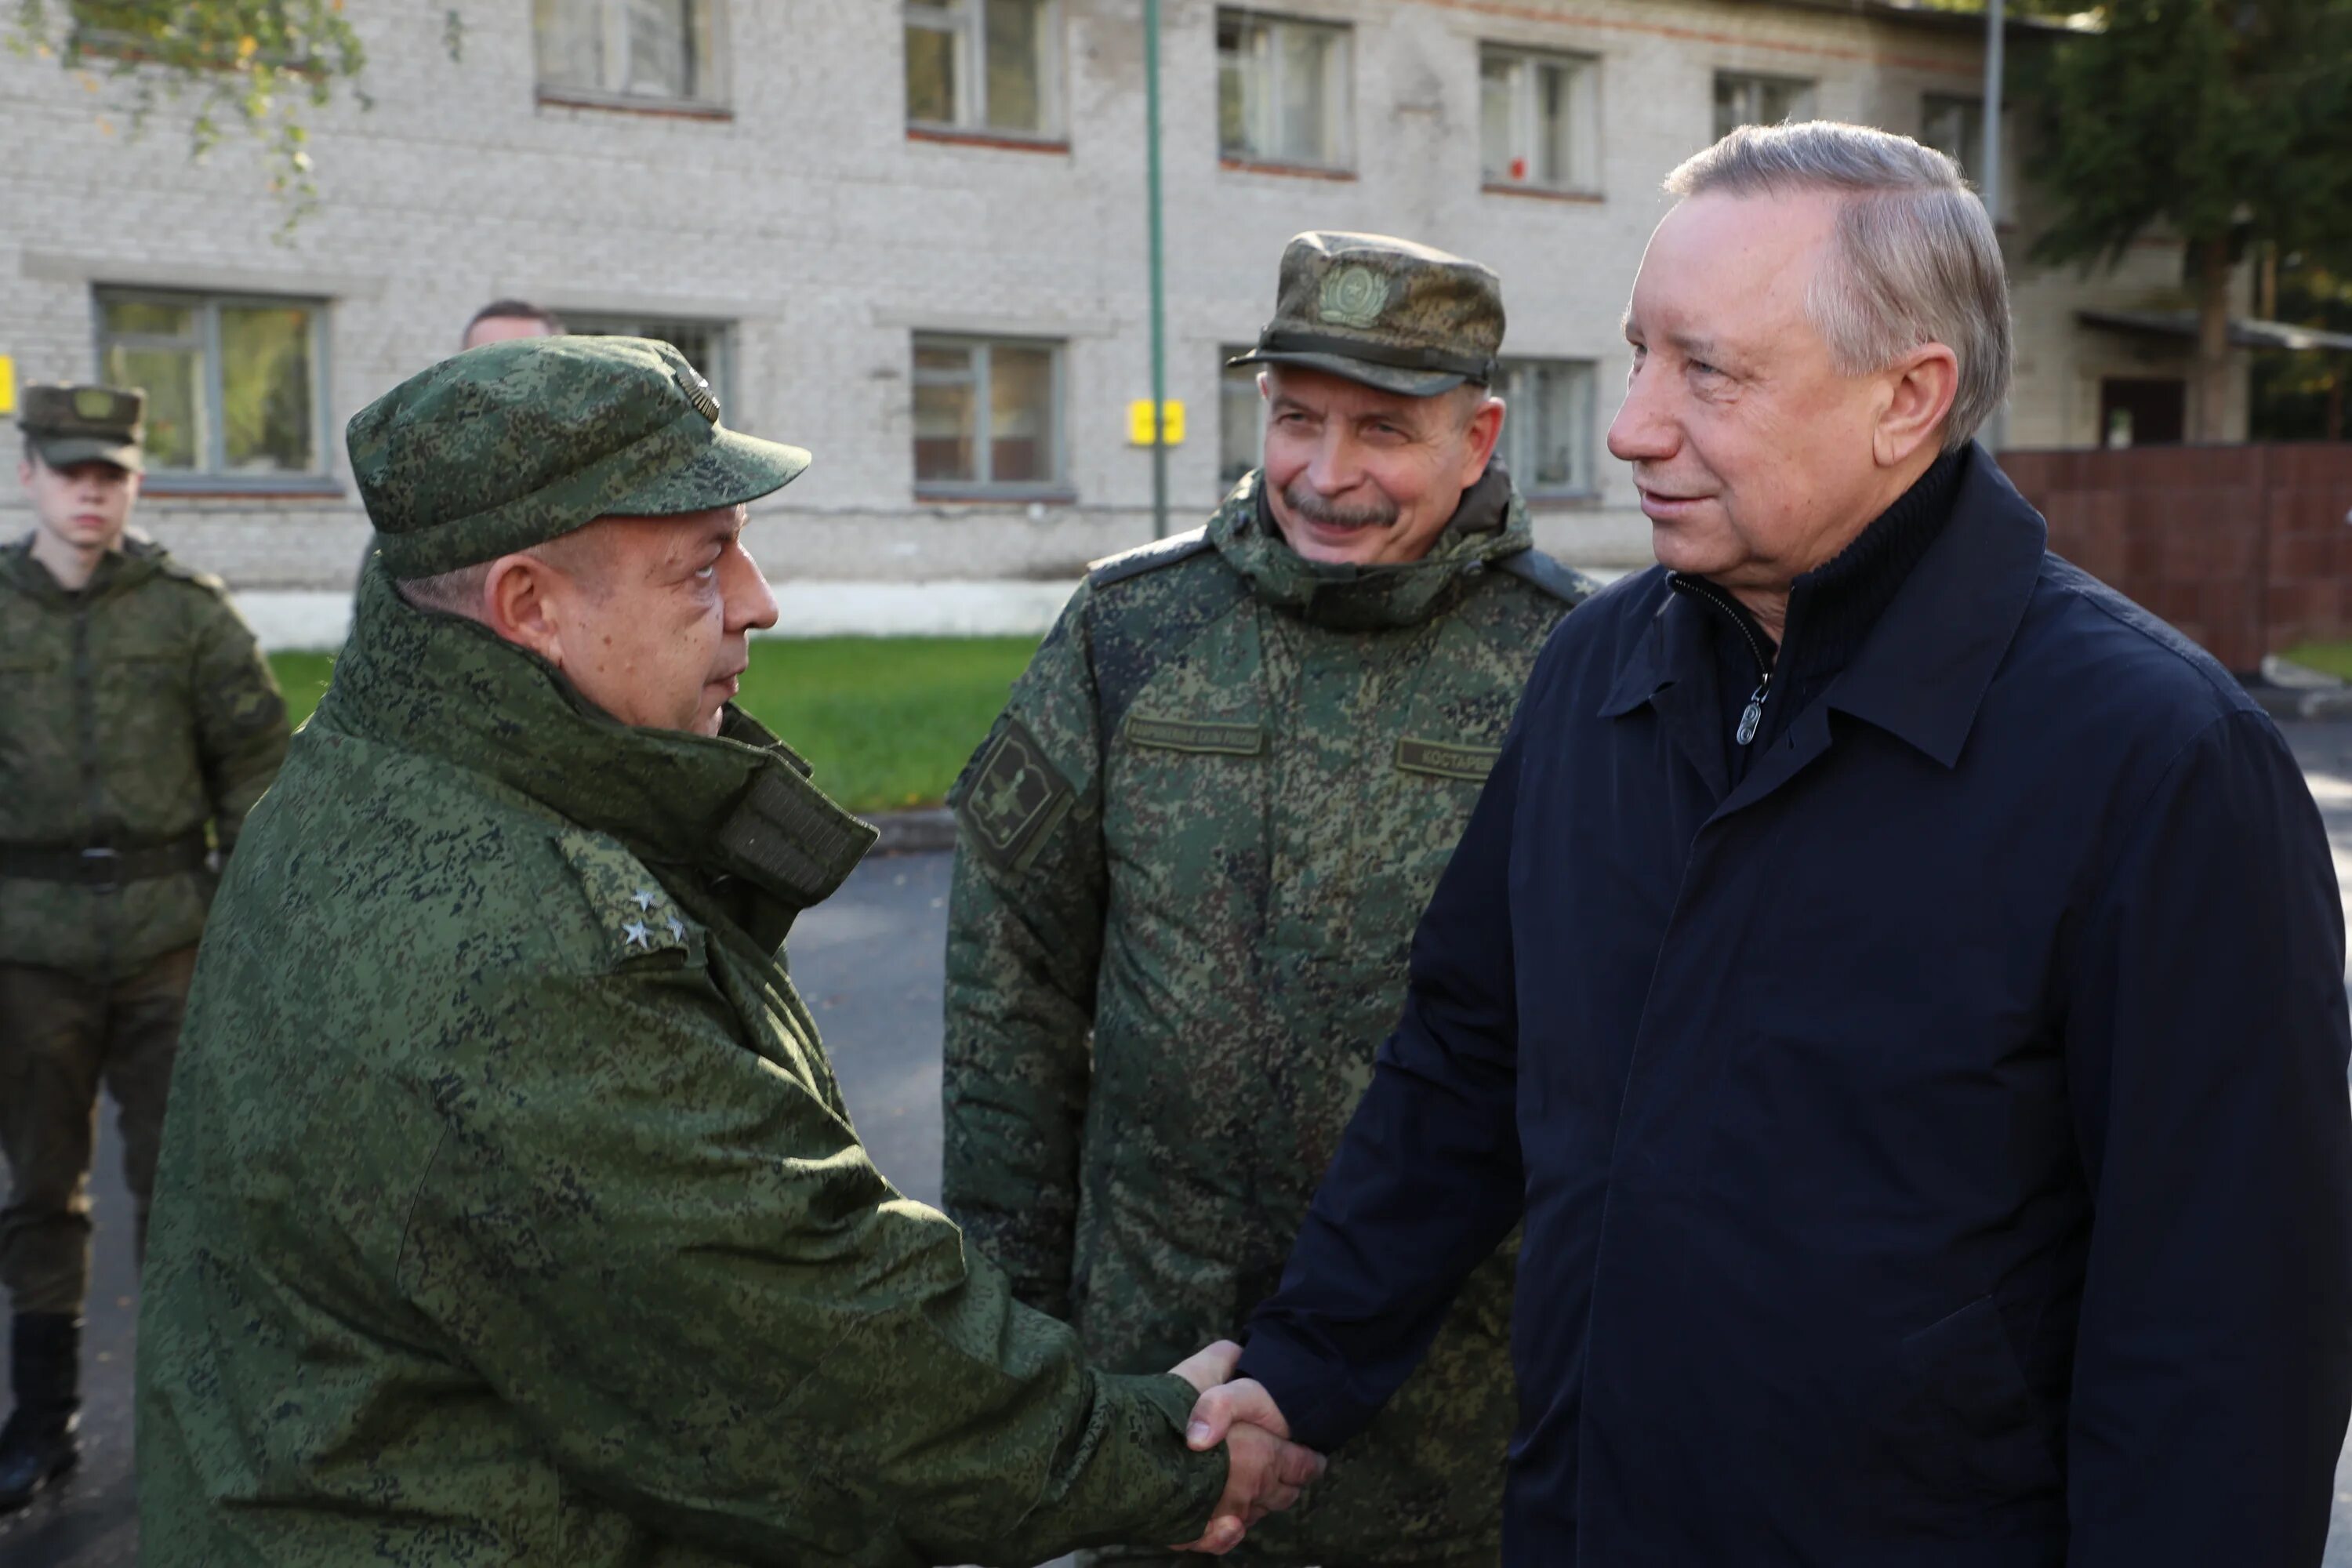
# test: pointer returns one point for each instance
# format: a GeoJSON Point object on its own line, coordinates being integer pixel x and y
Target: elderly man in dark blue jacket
{"type": "Point", "coordinates": [1896, 981]}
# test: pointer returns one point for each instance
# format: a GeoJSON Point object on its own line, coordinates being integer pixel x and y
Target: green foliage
{"type": "Point", "coordinates": [886, 723]}
{"type": "Point", "coordinates": [266, 67]}
{"type": "Point", "coordinates": [2221, 119]}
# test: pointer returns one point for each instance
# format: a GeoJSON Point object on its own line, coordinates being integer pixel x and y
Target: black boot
{"type": "Point", "coordinates": [39, 1444]}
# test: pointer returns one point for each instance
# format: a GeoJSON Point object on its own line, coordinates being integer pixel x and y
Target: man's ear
{"type": "Point", "coordinates": [1486, 429]}
{"type": "Point", "coordinates": [518, 604]}
{"type": "Point", "coordinates": [1919, 394]}
{"type": "Point", "coordinates": [25, 472]}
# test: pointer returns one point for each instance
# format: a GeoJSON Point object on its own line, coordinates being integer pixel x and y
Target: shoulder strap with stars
{"type": "Point", "coordinates": [637, 919]}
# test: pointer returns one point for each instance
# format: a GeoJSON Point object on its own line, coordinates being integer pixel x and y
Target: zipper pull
{"type": "Point", "coordinates": [1753, 715]}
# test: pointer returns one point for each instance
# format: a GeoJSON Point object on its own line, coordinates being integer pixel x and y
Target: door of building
{"type": "Point", "coordinates": [2143, 411]}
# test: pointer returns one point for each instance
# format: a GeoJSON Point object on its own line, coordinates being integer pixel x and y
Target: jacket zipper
{"type": "Point", "coordinates": [1751, 717]}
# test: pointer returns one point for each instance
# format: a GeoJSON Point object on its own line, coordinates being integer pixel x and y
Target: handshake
{"type": "Point", "coordinates": [1264, 1470]}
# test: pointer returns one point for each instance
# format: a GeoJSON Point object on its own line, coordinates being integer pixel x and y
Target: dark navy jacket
{"type": "Point", "coordinates": [1933, 1150]}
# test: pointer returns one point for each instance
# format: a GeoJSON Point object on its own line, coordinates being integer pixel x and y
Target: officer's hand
{"type": "Point", "coordinates": [1264, 1470]}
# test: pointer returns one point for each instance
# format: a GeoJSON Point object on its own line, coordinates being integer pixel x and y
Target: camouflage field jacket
{"type": "Point", "coordinates": [510, 1211]}
{"type": "Point", "coordinates": [132, 714]}
{"type": "Point", "coordinates": [1192, 852]}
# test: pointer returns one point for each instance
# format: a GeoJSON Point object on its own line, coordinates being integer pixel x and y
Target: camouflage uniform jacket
{"type": "Point", "coordinates": [136, 711]}
{"type": "Point", "coordinates": [510, 1211]}
{"type": "Point", "coordinates": [1193, 850]}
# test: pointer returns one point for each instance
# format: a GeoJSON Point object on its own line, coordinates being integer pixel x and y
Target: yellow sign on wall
{"type": "Point", "coordinates": [1138, 422]}
{"type": "Point", "coordinates": [8, 384]}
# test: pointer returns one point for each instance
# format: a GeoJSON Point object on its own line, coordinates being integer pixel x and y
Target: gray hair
{"type": "Point", "coordinates": [1916, 258]}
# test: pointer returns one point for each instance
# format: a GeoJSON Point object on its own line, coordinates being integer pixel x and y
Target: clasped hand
{"type": "Point", "coordinates": [1264, 1470]}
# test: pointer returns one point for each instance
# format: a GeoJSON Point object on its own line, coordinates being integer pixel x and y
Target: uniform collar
{"type": "Point", "coordinates": [1489, 523]}
{"type": "Point", "coordinates": [736, 805]}
{"type": "Point", "coordinates": [1922, 671]}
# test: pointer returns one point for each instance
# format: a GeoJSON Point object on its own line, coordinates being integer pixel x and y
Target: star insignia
{"type": "Point", "coordinates": [643, 897]}
{"type": "Point", "coordinates": [677, 929]}
{"type": "Point", "coordinates": [639, 933]}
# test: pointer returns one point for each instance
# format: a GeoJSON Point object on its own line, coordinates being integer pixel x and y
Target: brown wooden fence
{"type": "Point", "coordinates": [2246, 549]}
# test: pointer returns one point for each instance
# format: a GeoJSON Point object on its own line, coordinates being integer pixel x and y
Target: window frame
{"type": "Point", "coordinates": [1341, 126]}
{"type": "Point", "coordinates": [590, 323]}
{"type": "Point", "coordinates": [214, 474]}
{"type": "Point", "coordinates": [1056, 485]}
{"type": "Point", "coordinates": [1519, 416]}
{"type": "Point", "coordinates": [711, 96]}
{"type": "Point", "coordinates": [1808, 95]}
{"type": "Point", "coordinates": [1227, 376]}
{"type": "Point", "coordinates": [1584, 136]}
{"type": "Point", "coordinates": [1971, 106]}
{"type": "Point", "coordinates": [971, 33]}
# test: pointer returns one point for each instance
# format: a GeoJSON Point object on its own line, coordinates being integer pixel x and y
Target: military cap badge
{"type": "Point", "coordinates": [698, 393]}
{"type": "Point", "coordinates": [1353, 296]}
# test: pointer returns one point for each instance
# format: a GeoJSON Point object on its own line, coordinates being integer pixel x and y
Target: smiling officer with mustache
{"type": "Point", "coordinates": [1192, 852]}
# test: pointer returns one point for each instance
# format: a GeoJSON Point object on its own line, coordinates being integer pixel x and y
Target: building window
{"type": "Point", "coordinates": [1954, 125]}
{"type": "Point", "coordinates": [628, 49]}
{"type": "Point", "coordinates": [707, 345]}
{"type": "Point", "coordinates": [1282, 90]}
{"type": "Point", "coordinates": [1548, 431]}
{"type": "Point", "coordinates": [987, 414]}
{"type": "Point", "coordinates": [985, 66]}
{"type": "Point", "coordinates": [1742, 99]}
{"type": "Point", "coordinates": [1241, 418]}
{"type": "Point", "coordinates": [232, 382]}
{"type": "Point", "coordinates": [1538, 119]}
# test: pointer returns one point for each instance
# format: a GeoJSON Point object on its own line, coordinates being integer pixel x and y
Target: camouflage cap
{"type": "Point", "coordinates": [1383, 311]}
{"type": "Point", "coordinates": [68, 425]}
{"type": "Point", "coordinates": [516, 443]}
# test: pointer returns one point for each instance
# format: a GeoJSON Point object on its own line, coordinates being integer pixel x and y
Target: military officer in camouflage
{"type": "Point", "coordinates": [137, 716]}
{"type": "Point", "coordinates": [510, 1211]}
{"type": "Point", "coordinates": [1192, 852]}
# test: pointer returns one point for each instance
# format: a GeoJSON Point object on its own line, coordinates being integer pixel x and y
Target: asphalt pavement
{"type": "Point", "coordinates": [868, 964]}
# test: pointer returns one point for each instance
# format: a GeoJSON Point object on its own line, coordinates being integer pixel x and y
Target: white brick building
{"type": "Point", "coordinates": [805, 187]}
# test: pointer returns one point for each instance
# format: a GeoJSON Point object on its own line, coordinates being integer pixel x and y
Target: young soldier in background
{"type": "Point", "coordinates": [139, 714]}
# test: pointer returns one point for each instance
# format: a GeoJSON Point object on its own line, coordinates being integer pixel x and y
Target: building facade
{"type": "Point", "coordinates": [911, 235]}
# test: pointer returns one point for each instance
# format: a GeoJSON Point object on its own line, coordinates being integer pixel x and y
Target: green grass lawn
{"type": "Point", "coordinates": [2333, 657]}
{"type": "Point", "coordinates": [887, 722]}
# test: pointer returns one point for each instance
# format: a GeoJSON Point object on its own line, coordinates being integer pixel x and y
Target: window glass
{"type": "Point", "coordinates": [946, 416]}
{"type": "Point", "coordinates": [1020, 409]}
{"type": "Point", "coordinates": [1743, 99]}
{"type": "Point", "coordinates": [232, 383]}
{"type": "Point", "coordinates": [267, 425]}
{"type": "Point", "coordinates": [1283, 92]}
{"type": "Point", "coordinates": [1241, 419]}
{"type": "Point", "coordinates": [988, 65]}
{"type": "Point", "coordinates": [1955, 125]}
{"type": "Point", "coordinates": [627, 49]}
{"type": "Point", "coordinates": [1016, 65]}
{"type": "Point", "coordinates": [1537, 119]}
{"type": "Point", "coordinates": [986, 413]}
{"type": "Point", "coordinates": [1548, 433]}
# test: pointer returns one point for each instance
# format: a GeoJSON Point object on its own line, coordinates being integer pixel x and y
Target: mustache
{"type": "Point", "coordinates": [1315, 508]}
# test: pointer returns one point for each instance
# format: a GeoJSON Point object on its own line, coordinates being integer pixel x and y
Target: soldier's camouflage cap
{"type": "Point", "coordinates": [1383, 311]}
{"type": "Point", "coordinates": [513, 444]}
{"type": "Point", "coordinates": [68, 425]}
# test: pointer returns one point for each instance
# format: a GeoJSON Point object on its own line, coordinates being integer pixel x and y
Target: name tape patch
{"type": "Point", "coordinates": [1196, 735]}
{"type": "Point", "coordinates": [1449, 762]}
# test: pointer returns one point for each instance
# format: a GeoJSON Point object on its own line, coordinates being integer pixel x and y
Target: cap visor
{"type": "Point", "coordinates": [734, 468]}
{"type": "Point", "coordinates": [64, 452]}
{"type": "Point", "coordinates": [1386, 377]}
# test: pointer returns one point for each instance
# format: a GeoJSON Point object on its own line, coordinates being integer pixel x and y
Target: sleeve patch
{"type": "Point", "coordinates": [1016, 800]}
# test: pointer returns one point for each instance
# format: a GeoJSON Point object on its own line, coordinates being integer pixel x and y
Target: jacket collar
{"type": "Point", "coordinates": [737, 806]}
{"type": "Point", "coordinates": [119, 570]}
{"type": "Point", "coordinates": [1489, 523]}
{"type": "Point", "coordinates": [1922, 672]}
